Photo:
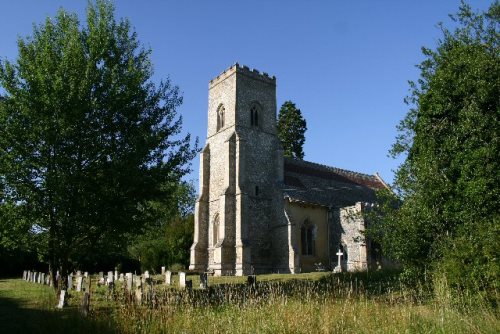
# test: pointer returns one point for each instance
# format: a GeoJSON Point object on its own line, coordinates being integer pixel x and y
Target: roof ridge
{"type": "Point", "coordinates": [336, 169]}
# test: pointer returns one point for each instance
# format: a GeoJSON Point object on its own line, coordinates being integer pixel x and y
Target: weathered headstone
{"type": "Point", "coordinates": [146, 274]}
{"type": "Point", "coordinates": [252, 282]}
{"type": "Point", "coordinates": [203, 280]}
{"type": "Point", "coordinates": [138, 290]}
{"type": "Point", "coordinates": [101, 278]}
{"type": "Point", "coordinates": [42, 278]}
{"type": "Point", "coordinates": [182, 280]}
{"type": "Point", "coordinates": [24, 275]}
{"type": "Point", "coordinates": [70, 282]}
{"type": "Point", "coordinates": [116, 275]}
{"type": "Point", "coordinates": [168, 277]}
{"type": "Point", "coordinates": [129, 281]}
{"type": "Point", "coordinates": [109, 278]}
{"type": "Point", "coordinates": [86, 274]}
{"type": "Point", "coordinates": [62, 297]}
{"type": "Point", "coordinates": [79, 281]}
{"type": "Point", "coordinates": [78, 273]}
{"type": "Point", "coordinates": [121, 277]}
{"type": "Point", "coordinates": [84, 309]}
{"type": "Point", "coordinates": [162, 270]}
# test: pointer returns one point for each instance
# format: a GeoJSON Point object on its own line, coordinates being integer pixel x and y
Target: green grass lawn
{"type": "Point", "coordinates": [30, 308]}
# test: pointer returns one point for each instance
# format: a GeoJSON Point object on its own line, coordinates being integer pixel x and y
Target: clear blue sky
{"type": "Point", "coordinates": [346, 64]}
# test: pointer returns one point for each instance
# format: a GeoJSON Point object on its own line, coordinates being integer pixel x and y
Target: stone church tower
{"type": "Point", "coordinates": [239, 214]}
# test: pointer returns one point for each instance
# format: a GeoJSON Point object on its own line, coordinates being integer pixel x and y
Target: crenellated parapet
{"type": "Point", "coordinates": [244, 70]}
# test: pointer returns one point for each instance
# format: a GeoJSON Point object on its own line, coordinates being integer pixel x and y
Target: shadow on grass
{"type": "Point", "coordinates": [14, 318]}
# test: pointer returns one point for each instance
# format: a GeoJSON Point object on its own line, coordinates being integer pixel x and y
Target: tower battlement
{"type": "Point", "coordinates": [245, 70]}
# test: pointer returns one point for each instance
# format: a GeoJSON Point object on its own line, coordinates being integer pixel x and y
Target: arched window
{"type": "Point", "coordinates": [308, 238]}
{"type": "Point", "coordinates": [215, 229]}
{"type": "Point", "coordinates": [254, 115]}
{"type": "Point", "coordinates": [220, 117]}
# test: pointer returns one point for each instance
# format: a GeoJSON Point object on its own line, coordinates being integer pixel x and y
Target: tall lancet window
{"type": "Point", "coordinates": [254, 115]}
{"type": "Point", "coordinates": [308, 238]}
{"type": "Point", "coordinates": [215, 230]}
{"type": "Point", "coordinates": [220, 117]}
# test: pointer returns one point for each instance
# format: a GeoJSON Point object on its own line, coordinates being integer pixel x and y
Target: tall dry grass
{"type": "Point", "coordinates": [332, 304]}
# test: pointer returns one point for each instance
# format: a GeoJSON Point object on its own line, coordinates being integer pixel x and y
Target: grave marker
{"type": "Point", "coordinates": [338, 268]}
{"type": "Point", "coordinates": [129, 281]}
{"type": "Point", "coordinates": [168, 277]}
{"type": "Point", "coordinates": [109, 278]}
{"type": "Point", "coordinates": [62, 297]}
{"type": "Point", "coordinates": [203, 280]}
{"type": "Point", "coordinates": [182, 280]}
{"type": "Point", "coordinates": [79, 281]}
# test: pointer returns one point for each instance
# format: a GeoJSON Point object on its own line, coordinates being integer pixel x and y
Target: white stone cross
{"type": "Point", "coordinates": [339, 254]}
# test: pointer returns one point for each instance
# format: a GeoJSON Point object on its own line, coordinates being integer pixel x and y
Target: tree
{"type": "Point", "coordinates": [88, 142]}
{"type": "Point", "coordinates": [291, 129]}
{"type": "Point", "coordinates": [444, 215]}
{"type": "Point", "coordinates": [169, 240]}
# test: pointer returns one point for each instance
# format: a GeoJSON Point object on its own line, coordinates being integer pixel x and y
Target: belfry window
{"type": "Point", "coordinates": [308, 238]}
{"type": "Point", "coordinates": [220, 117]}
{"type": "Point", "coordinates": [254, 116]}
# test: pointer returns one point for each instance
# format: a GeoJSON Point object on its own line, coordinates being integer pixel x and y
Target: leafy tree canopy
{"type": "Point", "coordinates": [448, 220]}
{"type": "Point", "coordinates": [89, 144]}
{"type": "Point", "coordinates": [291, 129]}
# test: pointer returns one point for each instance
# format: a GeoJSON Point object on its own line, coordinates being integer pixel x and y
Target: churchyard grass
{"type": "Point", "coordinates": [305, 303]}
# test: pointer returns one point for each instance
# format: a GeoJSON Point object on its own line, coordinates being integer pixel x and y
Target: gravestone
{"type": "Point", "coordinates": [189, 285]}
{"type": "Point", "coordinates": [168, 277]}
{"type": "Point", "coordinates": [121, 277]}
{"type": "Point", "coordinates": [129, 277]}
{"type": "Point", "coordinates": [182, 280]}
{"type": "Point", "coordinates": [79, 281]}
{"type": "Point", "coordinates": [42, 278]}
{"type": "Point", "coordinates": [203, 280]}
{"type": "Point", "coordinates": [24, 275]}
{"type": "Point", "coordinates": [86, 274]}
{"type": "Point", "coordinates": [70, 282]}
{"type": "Point", "coordinates": [146, 274]}
{"type": "Point", "coordinates": [47, 279]}
{"type": "Point", "coordinates": [78, 273]}
{"type": "Point", "coordinates": [62, 297]}
{"type": "Point", "coordinates": [162, 270]}
{"type": "Point", "coordinates": [116, 275]}
{"type": "Point", "coordinates": [252, 282]}
{"type": "Point", "coordinates": [138, 290]}
{"type": "Point", "coordinates": [338, 268]}
{"type": "Point", "coordinates": [101, 281]}
{"type": "Point", "coordinates": [109, 278]}
{"type": "Point", "coordinates": [84, 309]}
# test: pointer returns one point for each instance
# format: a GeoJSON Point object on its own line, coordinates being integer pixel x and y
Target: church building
{"type": "Point", "coordinates": [260, 212]}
